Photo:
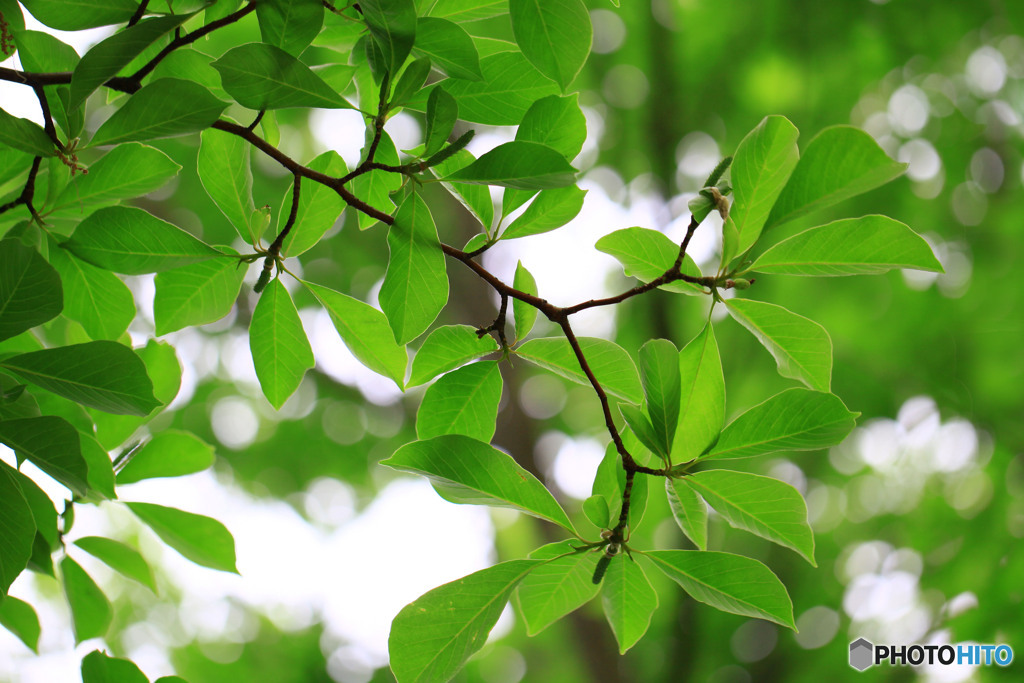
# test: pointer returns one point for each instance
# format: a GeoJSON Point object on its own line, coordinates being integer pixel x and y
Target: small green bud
{"type": "Point", "coordinates": [738, 283]}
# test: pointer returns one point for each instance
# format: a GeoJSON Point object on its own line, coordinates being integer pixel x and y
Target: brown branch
{"type": "Point", "coordinates": [139, 13]}
{"type": "Point", "coordinates": [27, 192]}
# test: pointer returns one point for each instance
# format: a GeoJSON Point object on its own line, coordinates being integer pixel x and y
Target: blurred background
{"type": "Point", "coordinates": [917, 515]}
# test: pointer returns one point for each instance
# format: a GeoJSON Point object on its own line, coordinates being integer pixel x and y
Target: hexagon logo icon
{"type": "Point", "coordinates": [861, 654]}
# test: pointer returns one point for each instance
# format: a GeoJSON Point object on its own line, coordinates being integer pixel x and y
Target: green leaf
{"type": "Point", "coordinates": [30, 289]}
{"type": "Point", "coordinates": [702, 400]}
{"type": "Point", "coordinates": [196, 294]}
{"type": "Point", "coordinates": [171, 453]}
{"type": "Point", "coordinates": [646, 254]}
{"type": "Point", "coordinates": [226, 175]}
{"type": "Point", "coordinates": [464, 401]}
{"type": "Point", "coordinates": [596, 510]}
{"type": "Point", "coordinates": [449, 47]}
{"type": "Point", "coordinates": [523, 165]}
{"type": "Point", "coordinates": [375, 187]}
{"type": "Point", "coordinates": [609, 362]}
{"type": "Point", "coordinates": [127, 171]}
{"type": "Point", "coordinates": [469, 471]}
{"type": "Point", "coordinates": [415, 285]}
{"type": "Point", "coordinates": [101, 469]}
{"type": "Point", "coordinates": [641, 426]}
{"type": "Point", "coordinates": [262, 76]}
{"type": "Point", "coordinates": [802, 348]}
{"type": "Point", "coordinates": [659, 371]}
{"type": "Point", "coordinates": [524, 314]}
{"type": "Point", "coordinates": [319, 207]}
{"type": "Point", "coordinates": [91, 612]}
{"type": "Point", "coordinates": [409, 84]}
{"type": "Point", "coordinates": [290, 24]}
{"type": "Point", "coordinates": [52, 444]}
{"type": "Point", "coordinates": [119, 557]}
{"type": "Point", "coordinates": [433, 636]}
{"type": "Point", "coordinates": [689, 511]}
{"type": "Point", "coordinates": [280, 348]}
{"type": "Point", "coordinates": [94, 297]}
{"type": "Point", "coordinates": [762, 165]}
{"type": "Point", "coordinates": [392, 24]}
{"type": "Point", "coordinates": [730, 583]}
{"type": "Point", "coordinates": [43, 512]}
{"type": "Point", "coordinates": [365, 332]}
{"type": "Point", "coordinates": [101, 374]}
{"type": "Point", "coordinates": [442, 112]}
{"type": "Point", "coordinates": [132, 241]}
{"type": "Point", "coordinates": [551, 209]}
{"type": "Point", "coordinates": [446, 348]}
{"type": "Point", "coordinates": [555, 35]}
{"type": "Point", "coordinates": [628, 600]}
{"type": "Point", "coordinates": [25, 135]}
{"type": "Point", "coordinates": [201, 539]}
{"type": "Point", "coordinates": [17, 528]}
{"type": "Point", "coordinates": [463, 10]}
{"type": "Point", "coordinates": [509, 86]}
{"type": "Point", "coordinates": [557, 587]}
{"type": "Point", "coordinates": [794, 420]}
{"type": "Point", "coordinates": [476, 198]}
{"type": "Point", "coordinates": [164, 108]}
{"type": "Point", "coordinates": [97, 667]}
{"type": "Point", "coordinates": [767, 507]}
{"type": "Point", "coordinates": [19, 618]}
{"type": "Point", "coordinates": [81, 14]}
{"type": "Point", "coordinates": [610, 482]}
{"type": "Point", "coordinates": [15, 24]}
{"type": "Point", "coordinates": [105, 59]}
{"type": "Point", "coordinates": [839, 163]}
{"type": "Point", "coordinates": [854, 246]}
{"type": "Point", "coordinates": [41, 52]}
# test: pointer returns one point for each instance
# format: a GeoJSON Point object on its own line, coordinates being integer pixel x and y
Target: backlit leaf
{"type": "Point", "coordinates": [702, 397]}
{"type": "Point", "coordinates": [170, 453]}
{"type": "Point", "coordinates": [464, 401]}
{"type": "Point", "coordinates": [196, 294]}
{"type": "Point", "coordinates": [91, 612]}
{"type": "Point", "coordinates": [555, 35]}
{"type": "Point", "coordinates": [609, 362]}
{"type": "Point", "coordinates": [164, 108]}
{"type": "Point", "coordinates": [30, 289]}
{"type": "Point", "coordinates": [628, 600]}
{"type": "Point", "coordinates": [52, 445]}
{"type": "Point", "coordinates": [280, 348]}
{"type": "Point", "coordinates": [556, 588]}
{"type": "Point", "coordinates": [646, 254]}
{"type": "Point", "coordinates": [201, 539]}
{"type": "Point", "coordinates": [262, 76]}
{"type": "Point", "coordinates": [523, 165]}
{"type": "Point", "coordinates": [446, 348]}
{"type": "Point", "coordinates": [119, 557]}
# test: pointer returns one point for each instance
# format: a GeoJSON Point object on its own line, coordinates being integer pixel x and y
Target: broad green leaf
{"type": "Point", "coordinates": [646, 254]}
{"type": "Point", "coordinates": [628, 600]}
{"type": "Point", "coordinates": [659, 372]}
{"type": "Point", "coordinates": [290, 24]}
{"type": "Point", "coordinates": [127, 171]}
{"type": "Point", "coordinates": [555, 35]}
{"type": "Point", "coordinates": [105, 59]}
{"type": "Point", "coordinates": [415, 285]}
{"type": "Point", "coordinates": [41, 52]}
{"type": "Point", "coordinates": [81, 14]}
{"type": "Point", "coordinates": [171, 453]}
{"type": "Point", "coordinates": [196, 294]}
{"type": "Point", "coordinates": [641, 426]}
{"type": "Point", "coordinates": [462, 10]}
{"type": "Point", "coordinates": [730, 583]}
{"type": "Point", "coordinates": [319, 207]}
{"type": "Point", "coordinates": [262, 76]}
{"type": "Point", "coordinates": [30, 289]}
{"type": "Point", "coordinates": [15, 24]}
{"type": "Point", "coordinates": [839, 163]}
{"type": "Point", "coordinates": [762, 165]}
{"type": "Point", "coordinates": [392, 24]}
{"type": "Point", "coordinates": [190, 64]}
{"type": "Point", "coordinates": [17, 528]}
{"type": "Point", "coordinates": [365, 332]}
{"type": "Point", "coordinates": [524, 314]}
{"type": "Point", "coordinates": [770, 508]}
{"type": "Point", "coordinates": [449, 47]}
{"type": "Point", "coordinates": [132, 241]}
{"type": "Point", "coordinates": [201, 539]}
{"type": "Point", "coordinates": [43, 512]}
{"type": "Point", "coordinates": [551, 209]}
{"type": "Point", "coordinates": [610, 482]}
{"type": "Point", "coordinates": [464, 401]}
{"type": "Point", "coordinates": [469, 471]}
{"type": "Point", "coordinates": [610, 363]}
{"type": "Point", "coordinates": [689, 511]}
{"type": "Point", "coordinates": [411, 81]}
{"type": "Point", "coordinates": [51, 444]}
{"type": "Point", "coordinates": [25, 135]}
{"type": "Point", "coordinates": [101, 374]}
{"type": "Point", "coordinates": [91, 612]}
{"type": "Point", "coordinates": [94, 297]}
{"type": "Point", "coordinates": [854, 246]}
{"type": "Point", "coordinates": [433, 636]}
{"type": "Point", "coordinates": [557, 587]}
{"type": "Point", "coordinates": [802, 348]}
{"type": "Point", "coordinates": [98, 667]}
{"type": "Point", "coordinates": [375, 187]}
{"type": "Point", "coordinates": [702, 399]}
{"type": "Point", "coordinates": [596, 510]}
{"type": "Point", "coordinates": [476, 198]}
{"type": "Point", "coordinates": [523, 165]}
{"type": "Point", "coordinates": [446, 348]}
{"type": "Point", "coordinates": [226, 175]}
{"type": "Point", "coordinates": [442, 112]}
{"type": "Point", "coordinates": [19, 618]}
{"type": "Point", "coordinates": [101, 469]}
{"type": "Point", "coordinates": [119, 557]}
{"type": "Point", "coordinates": [794, 420]}
{"type": "Point", "coordinates": [280, 348]}
{"type": "Point", "coordinates": [164, 108]}
{"type": "Point", "coordinates": [509, 86]}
